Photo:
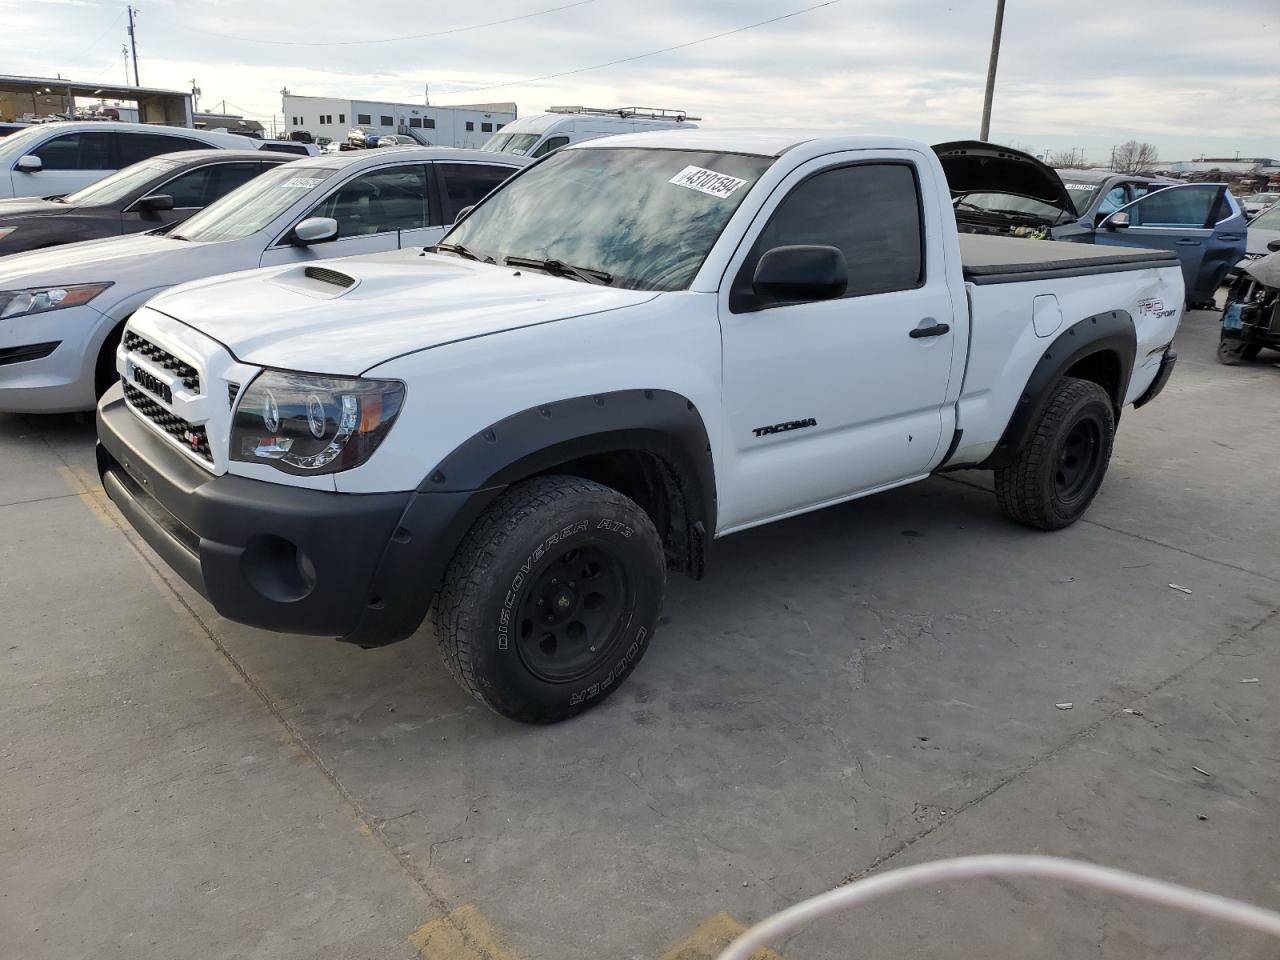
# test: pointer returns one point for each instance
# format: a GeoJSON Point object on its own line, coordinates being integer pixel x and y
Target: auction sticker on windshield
{"type": "Point", "coordinates": [719, 185]}
{"type": "Point", "coordinates": [304, 183]}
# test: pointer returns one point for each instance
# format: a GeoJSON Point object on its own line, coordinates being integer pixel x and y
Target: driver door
{"type": "Point", "coordinates": [371, 210]}
{"type": "Point", "coordinates": [1196, 221]}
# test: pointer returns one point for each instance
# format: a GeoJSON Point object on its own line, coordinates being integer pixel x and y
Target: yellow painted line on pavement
{"type": "Point", "coordinates": [464, 934]}
{"type": "Point", "coordinates": [91, 495]}
{"type": "Point", "coordinates": [710, 938]}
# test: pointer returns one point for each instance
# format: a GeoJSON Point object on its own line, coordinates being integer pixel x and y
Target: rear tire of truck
{"type": "Point", "coordinates": [1056, 475]}
{"type": "Point", "coordinates": [1233, 352]}
{"type": "Point", "coordinates": [551, 599]}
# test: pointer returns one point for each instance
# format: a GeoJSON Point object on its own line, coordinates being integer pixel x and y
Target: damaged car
{"type": "Point", "coordinates": [1251, 316]}
{"type": "Point", "coordinates": [1000, 190]}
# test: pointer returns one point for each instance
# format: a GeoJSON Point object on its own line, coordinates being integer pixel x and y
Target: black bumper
{"type": "Point", "coordinates": [1162, 377]}
{"type": "Point", "coordinates": [362, 567]}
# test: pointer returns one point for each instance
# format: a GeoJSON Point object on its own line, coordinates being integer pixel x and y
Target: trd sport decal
{"type": "Point", "coordinates": [784, 427]}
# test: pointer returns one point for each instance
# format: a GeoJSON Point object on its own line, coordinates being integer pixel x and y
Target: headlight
{"type": "Point", "coordinates": [304, 424]}
{"type": "Point", "coordinates": [22, 303]}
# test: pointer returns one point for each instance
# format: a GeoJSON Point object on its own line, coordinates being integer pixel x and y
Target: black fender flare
{"type": "Point", "coordinates": [1111, 332]}
{"type": "Point", "coordinates": [535, 440]}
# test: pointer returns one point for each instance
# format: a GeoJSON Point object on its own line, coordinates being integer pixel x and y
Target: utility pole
{"type": "Point", "coordinates": [991, 71]}
{"type": "Point", "coordinates": [133, 43]}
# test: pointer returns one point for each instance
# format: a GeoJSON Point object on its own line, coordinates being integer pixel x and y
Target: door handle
{"type": "Point", "coordinates": [929, 327]}
{"type": "Point", "coordinates": [1188, 242]}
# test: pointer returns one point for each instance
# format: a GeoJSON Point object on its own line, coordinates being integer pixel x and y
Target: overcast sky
{"type": "Point", "coordinates": [1193, 77]}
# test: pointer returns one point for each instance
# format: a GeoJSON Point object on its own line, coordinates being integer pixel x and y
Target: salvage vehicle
{"type": "Point", "coordinates": [1251, 316]}
{"type": "Point", "coordinates": [164, 190]}
{"type": "Point", "coordinates": [1255, 203]}
{"type": "Point", "coordinates": [62, 310]}
{"type": "Point", "coordinates": [1264, 230]}
{"type": "Point", "coordinates": [541, 133]}
{"type": "Point", "coordinates": [55, 159]}
{"type": "Point", "coordinates": [636, 346]}
{"type": "Point", "coordinates": [1004, 191]}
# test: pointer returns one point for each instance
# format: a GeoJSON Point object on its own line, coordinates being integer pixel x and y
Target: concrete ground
{"type": "Point", "coordinates": [851, 691]}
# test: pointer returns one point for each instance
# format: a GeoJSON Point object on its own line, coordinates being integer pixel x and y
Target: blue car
{"type": "Point", "coordinates": [997, 189]}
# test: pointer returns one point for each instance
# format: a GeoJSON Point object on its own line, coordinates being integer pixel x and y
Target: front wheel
{"type": "Point", "coordinates": [1057, 473]}
{"type": "Point", "coordinates": [1232, 352]}
{"type": "Point", "coordinates": [551, 599]}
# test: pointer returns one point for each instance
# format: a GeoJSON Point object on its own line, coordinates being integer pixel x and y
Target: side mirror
{"type": "Point", "coordinates": [801, 273]}
{"type": "Point", "coordinates": [1274, 246]}
{"type": "Point", "coordinates": [156, 203]}
{"type": "Point", "coordinates": [315, 230]}
{"type": "Point", "coordinates": [30, 163]}
{"type": "Point", "coordinates": [464, 213]}
{"type": "Point", "coordinates": [1117, 221]}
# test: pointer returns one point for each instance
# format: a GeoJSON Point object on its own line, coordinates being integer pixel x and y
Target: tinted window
{"type": "Point", "coordinates": [141, 146]}
{"type": "Point", "coordinates": [415, 122]}
{"type": "Point", "coordinates": [871, 212]}
{"type": "Point", "coordinates": [1190, 206]}
{"type": "Point", "coordinates": [294, 148]}
{"type": "Point", "coordinates": [250, 208]}
{"type": "Point", "coordinates": [429, 123]}
{"type": "Point", "coordinates": [1114, 200]}
{"type": "Point", "coordinates": [199, 188]}
{"type": "Point", "coordinates": [78, 151]}
{"type": "Point", "coordinates": [466, 184]}
{"type": "Point", "coordinates": [386, 121]}
{"type": "Point", "coordinates": [378, 202]}
{"type": "Point", "coordinates": [362, 119]}
{"type": "Point", "coordinates": [187, 190]}
{"type": "Point", "coordinates": [486, 128]}
{"type": "Point", "coordinates": [121, 184]}
{"type": "Point", "coordinates": [554, 143]}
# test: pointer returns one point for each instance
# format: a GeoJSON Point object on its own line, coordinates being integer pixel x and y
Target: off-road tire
{"type": "Point", "coordinates": [1031, 489]}
{"type": "Point", "coordinates": [494, 634]}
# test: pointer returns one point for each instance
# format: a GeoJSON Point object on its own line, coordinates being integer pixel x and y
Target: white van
{"type": "Point", "coordinates": [541, 133]}
{"type": "Point", "coordinates": [55, 159]}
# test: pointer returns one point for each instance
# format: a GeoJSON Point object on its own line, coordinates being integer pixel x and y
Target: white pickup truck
{"type": "Point", "coordinates": [633, 348]}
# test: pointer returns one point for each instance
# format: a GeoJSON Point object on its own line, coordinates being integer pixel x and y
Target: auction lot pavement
{"type": "Point", "coordinates": [855, 690]}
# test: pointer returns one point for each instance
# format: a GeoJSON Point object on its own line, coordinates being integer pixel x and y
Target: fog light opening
{"type": "Point", "coordinates": [277, 569]}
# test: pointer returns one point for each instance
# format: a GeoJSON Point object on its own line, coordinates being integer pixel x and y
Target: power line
{"type": "Point", "coordinates": [651, 53]}
{"type": "Point", "coordinates": [111, 26]}
{"type": "Point", "coordinates": [413, 36]}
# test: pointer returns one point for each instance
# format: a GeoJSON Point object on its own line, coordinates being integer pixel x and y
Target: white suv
{"type": "Point", "coordinates": [54, 159]}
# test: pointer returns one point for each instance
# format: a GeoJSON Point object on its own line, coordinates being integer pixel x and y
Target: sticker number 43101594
{"type": "Point", "coordinates": [719, 185]}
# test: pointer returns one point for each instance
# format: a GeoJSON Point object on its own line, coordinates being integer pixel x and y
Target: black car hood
{"type": "Point", "coordinates": [972, 166]}
{"type": "Point", "coordinates": [29, 207]}
{"type": "Point", "coordinates": [1266, 270]}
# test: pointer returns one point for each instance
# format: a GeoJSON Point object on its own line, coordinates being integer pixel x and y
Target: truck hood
{"type": "Point", "coordinates": [346, 316]}
{"type": "Point", "coordinates": [973, 166]}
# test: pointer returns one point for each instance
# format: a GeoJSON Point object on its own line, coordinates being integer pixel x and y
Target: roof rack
{"type": "Point", "coordinates": [628, 113]}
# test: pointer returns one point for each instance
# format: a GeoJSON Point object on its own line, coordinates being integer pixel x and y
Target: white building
{"type": "Point", "coordinates": [462, 126]}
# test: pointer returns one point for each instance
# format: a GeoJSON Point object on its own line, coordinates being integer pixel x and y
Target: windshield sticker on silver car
{"type": "Point", "coordinates": [719, 185]}
{"type": "Point", "coordinates": [303, 183]}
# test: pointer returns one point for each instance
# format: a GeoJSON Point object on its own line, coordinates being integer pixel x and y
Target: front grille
{"type": "Point", "coordinates": [191, 436]}
{"type": "Point", "coordinates": [144, 347]}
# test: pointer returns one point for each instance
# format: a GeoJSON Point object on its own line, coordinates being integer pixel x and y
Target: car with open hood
{"type": "Point", "coordinates": [150, 195]}
{"type": "Point", "coordinates": [1000, 190]}
{"type": "Point", "coordinates": [62, 309]}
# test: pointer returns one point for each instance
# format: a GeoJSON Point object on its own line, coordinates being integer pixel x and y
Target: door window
{"type": "Point", "coordinates": [552, 143]}
{"type": "Point", "coordinates": [199, 188]}
{"type": "Point", "coordinates": [1113, 201]}
{"type": "Point", "coordinates": [135, 147]}
{"type": "Point", "coordinates": [1191, 207]}
{"type": "Point", "coordinates": [871, 212]}
{"type": "Point", "coordinates": [90, 150]}
{"type": "Point", "coordinates": [466, 184]}
{"type": "Point", "coordinates": [378, 202]}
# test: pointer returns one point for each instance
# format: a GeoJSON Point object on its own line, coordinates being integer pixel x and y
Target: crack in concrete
{"type": "Point", "coordinates": [1037, 762]}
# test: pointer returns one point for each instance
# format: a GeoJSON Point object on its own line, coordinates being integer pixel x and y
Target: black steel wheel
{"type": "Point", "coordinates": [552, 598]}
{"type": "Point", "coordinates": [1057, 473]}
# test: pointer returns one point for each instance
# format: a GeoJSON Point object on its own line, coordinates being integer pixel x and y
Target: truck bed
{"type": "Point", "coordinates": [992, 259]}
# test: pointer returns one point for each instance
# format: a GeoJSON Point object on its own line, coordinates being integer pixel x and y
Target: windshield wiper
{"type": "Point", "coordinates": [459, 250]}
{"type": "Point", "coordinates": [559, 268]}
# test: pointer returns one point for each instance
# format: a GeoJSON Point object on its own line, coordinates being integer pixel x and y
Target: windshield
{"type": "Point", "coordinates": [1268, 219]}
{"type": "Point", "coordinates": [248, 209]}
{"type": "Point", "coordinates": [18, 144]}
{"type": "Point", "coordinates": [1264, 198]}
{"type": "Point", "coordinates": [121, 184]}
{"type": "Point", "coordinates": [517, 143]}
{"type": "Point", "coordinates": [646, 217]}
{"type": "Point", "coordinates": [1081, 193]}
{"type": "Point", "coordinates": [1009, 203]}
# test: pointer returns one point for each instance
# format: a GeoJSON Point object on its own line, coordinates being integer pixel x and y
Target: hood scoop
{"type": "Point", "coordinates": [325, 275]}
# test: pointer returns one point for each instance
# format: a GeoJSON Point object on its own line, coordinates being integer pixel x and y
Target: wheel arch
{"type": "Point", "coordinates": [1100, 348]}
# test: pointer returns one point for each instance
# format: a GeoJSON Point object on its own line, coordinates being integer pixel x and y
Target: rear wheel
{"type": "Point", "coordinates": [551, 599]}
{"type": "Point", "coordinates": [1057, 473]}
{"type": "Point", "coordinates": [1232, 352]}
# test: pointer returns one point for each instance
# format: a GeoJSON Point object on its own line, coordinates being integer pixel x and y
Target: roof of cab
{"type": "Point", "coordinates": [75, 126]}
{"type": "Point", "coordinates": [765, 143]}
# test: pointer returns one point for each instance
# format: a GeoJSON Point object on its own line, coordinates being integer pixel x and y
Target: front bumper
{"type": "Point", "coordinates": [1162, 377]}
{"type": "Point", "coordinates": [56, 380]}
{"type": "Point", "coordinates": [362, 567]}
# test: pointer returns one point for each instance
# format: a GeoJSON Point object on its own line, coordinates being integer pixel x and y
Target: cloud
{"type": "Point", "coordinates": [1085, 74]}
